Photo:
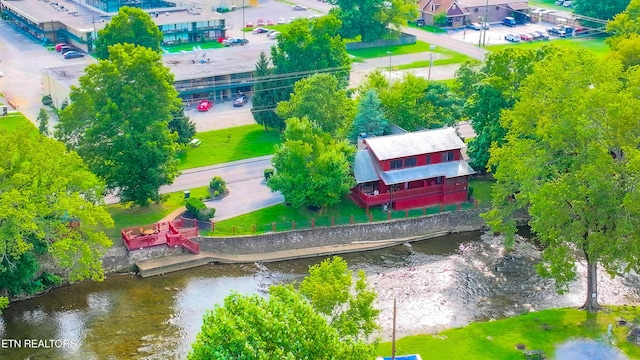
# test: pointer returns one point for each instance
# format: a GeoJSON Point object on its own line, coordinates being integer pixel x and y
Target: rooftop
{"type": "Point", "coordinates": [213, 62]}
{"type": "Point", "coordinates": [414, 143]}
{"type": "Point", "coordinates": [83, 18]}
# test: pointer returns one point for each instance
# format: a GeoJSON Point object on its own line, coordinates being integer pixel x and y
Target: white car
{"type": "Point", "coordinates": [274, 35]}
{"type": "Point", "coordinates": [512, 37]}
{"type": "Point", "coordinates": [299, 8]}
{"type": "Point", "coordinates": [281, 21]}
{"type": "Point", "coordinates": [291, 19]}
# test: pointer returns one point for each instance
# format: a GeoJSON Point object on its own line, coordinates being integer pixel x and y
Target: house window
{"type": "Point", "coordinates": [457, 18]}
{"type": "Point", "coordinates": [475, 10]}
{"type": "Point", "coordinates": [428, 161]}
{"type": "Point", "coordinates": [439, 180]}
{"type": "Point", "coordinates": [448, 156]}
{"type": "Point", "coordinates": [410, 162]}
{"type": "Point", "coordinates": [396, 164]}
{"type": "Point", "coordinates": [497, 7]}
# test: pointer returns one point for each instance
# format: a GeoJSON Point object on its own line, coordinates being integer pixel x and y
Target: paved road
{"type": "Point", "coordinates": [448, 42]}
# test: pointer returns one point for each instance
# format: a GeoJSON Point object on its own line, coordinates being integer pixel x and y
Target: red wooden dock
{"type": "Point", "coordinates": [171, 233]}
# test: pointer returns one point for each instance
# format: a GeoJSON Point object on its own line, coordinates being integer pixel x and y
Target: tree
{"type": "Point", "coordinates": [570, 159]}
{"type": "Point", "coordinates": [182, 126]}
{"type": "Point", "coordinates": [370, 118]}
{"type": "Point", "coordinates": [442, 106]}
{"type": "Point", "coordinates": [320, 99]}
{"type": "Point", "coordinates": [312, 168]}
{"type": "Point", "coordinates": [131, 26]}
{"type": "Point", "coordinates": [372, 19]}
{"type": "Point", "coordinates": [290, 324]}
{"type": "Point", "coordinates": [625, 24]}
{"type": "Point", "coordinates": [494, 87]}
{"type": "Point", "coordinates": [627, 51]}
{"type": "Point", "coordinates": [265, 96]}
{"type": "Point", "coordinates": [599, 9]}
{"type": "Point", "coordinates": [49, 208]}
{"type": "Point", "coordinates": [43, 122]}
{"type": "Point", "coordinates": [440, 19]}
{"type": "Point", "coordinates": [118, 123]}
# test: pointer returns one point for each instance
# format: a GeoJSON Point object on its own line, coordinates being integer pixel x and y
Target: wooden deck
{"type": "Point", "coordinates": [171, 233]}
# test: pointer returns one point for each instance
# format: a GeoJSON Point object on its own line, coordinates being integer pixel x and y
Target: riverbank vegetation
{"type": "Point", "coordinates": [542, 330]}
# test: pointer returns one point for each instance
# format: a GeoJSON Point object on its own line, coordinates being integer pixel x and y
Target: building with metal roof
{"type": "Point", "coordinates": [417, 169]}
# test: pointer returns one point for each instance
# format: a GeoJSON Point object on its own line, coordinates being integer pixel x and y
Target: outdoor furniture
{"type": "Point", "coordinates": [534, 354]}
{"type": "Point", "coordinates": [149, 232]}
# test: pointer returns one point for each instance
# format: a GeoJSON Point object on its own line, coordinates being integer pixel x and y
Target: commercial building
{"type": "Point", "coordinates": [410, 170]}
{"type": "Point", "coordinates": [461, 12]}
{"type": "Point", "coordinates": [51, 22]}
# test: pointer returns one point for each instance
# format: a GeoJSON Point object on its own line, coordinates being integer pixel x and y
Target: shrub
{"type": "Point", "coordinates": [217, 184]}
{"type": "Point", "coordinates": [268, 173]}
{"type": "Point", "coordinates": [198, 209]}
{"type": "Point", "coordinates": [470, 193]}
{"type": "Point", "coordinates": [46, 100]}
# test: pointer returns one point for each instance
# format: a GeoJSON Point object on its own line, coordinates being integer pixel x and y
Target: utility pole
{"type": "Point", "coordinates": [243, 23]}
{"type": "Point", "coordinates": [393, 334]}
{"type": "Point", "coordinates": [389, 77]}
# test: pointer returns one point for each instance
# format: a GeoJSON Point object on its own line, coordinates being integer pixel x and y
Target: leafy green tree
{"type": "Point", "coordinates": [599, 9]}
{"type": "Point", "coordinates": [289, 325]}
{"type": "Point", "coordinates": [348, 307]}
{"type": "Point", "coordinates": [403, 101]}
{"type": "Point", "coordinates": [312, 168]}
{"type": "Point", "coordinates": [266, 95]}
{"type": "Point", "coordinates": [4, 303]}
{"type": "Point", "coordinates": [372, 19]}
{"type": "Point", "coordinates": [49, 209]}
{"type": "Point", "coordinates": [570, 158]}
{"type": "Point", "coordinates": [626, 51]}
{"type": "Point", "coordinates": [43, 122]}
{"type": "Point", "coordinates": [320, 99]}
{"type": "Point", "coordinates": [131, 26]}
{"type": "Point", "coordinates": [440, 19]}
{"type": "Point", "coordinates": [624, 31]}
{"type": "Point", "coordinates": [118, 123]}
{"type": "Point", "coordinates": [494, 87]}
{"type": "Point", "coordinates": [182, 125]}
{"type": "Point", "coordinates": [442, 106]}
{"type": "Point", "coordinates": [370, 118]}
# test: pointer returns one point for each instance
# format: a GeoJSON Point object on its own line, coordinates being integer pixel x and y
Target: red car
{"type": "Point", "coordinates": [205, 105]}
{"type": "Point", "coordinates": [260, 22]}
{"type": "Point", "coordinates": [270, 22]}
{"type": "Point", "coordinates": [249, 24]}
{"type": "Point", "coordinates": [525, 37]}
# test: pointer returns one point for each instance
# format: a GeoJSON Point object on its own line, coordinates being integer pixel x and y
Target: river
{"type": "Point", "coordinates": [439, 283]}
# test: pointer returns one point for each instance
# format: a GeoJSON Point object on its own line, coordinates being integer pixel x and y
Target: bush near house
{"type": "Point", "coordinates": [199, 210]}
{"type": "Point", "coordinates": [217, 187]}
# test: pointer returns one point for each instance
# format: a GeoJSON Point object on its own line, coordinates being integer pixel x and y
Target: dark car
{"type": "Point", "coordinates": [73, 55]}
{"type": "Point", "coordinates": [240, 101]}
{"type": "Point", "coordinates": [66, 49]}
{"type": "Point", "coordinates": [420, 22]}
{"type": "Point", "coordinates": [234, 42]}
{"type": "Point", "coordinates": [260, 30]}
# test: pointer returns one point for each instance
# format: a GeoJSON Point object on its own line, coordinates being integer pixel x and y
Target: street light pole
{"type": "Point", "coordinates": [243, 23]}
{"type": "Point", "coordinates": [432, 48]}
{"type": "Point", "coordinates": [389, 53]}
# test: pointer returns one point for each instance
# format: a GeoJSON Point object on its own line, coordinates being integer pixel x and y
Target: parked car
{"type": "Point", "coordinates": [291, 19]}
{"type": "Point", "coordinates": [249, 24]}
{"type": "Point", "coordinates": [421, 22]}
{"type": "Point", "coordinates": [260, 30]}
{"type": "Point", "coordinates": [299, 8]}
{"type": "Point", "coordinates": [261, 22]}
{"type": "Point", "coordinates": [59, 46]}
{"type": "Point", "coordinates": [509, 21]}
{"type": "Point", "coordinates": [205, 105]}
{"type": "Point", "coordinates": [581, 31]}
{"type": "Point", "coordinates": [553, 31]}
{"type": "Point", "coordinates": [271, 32]}
{"type": "Point", "coordinates": [270, 22]}
{"type": "Point", "coordinates": [65, 49]}
{"type": "Point", "coordinates": [281, 21]}
{"type": "Point", "coordinates": [240, 101]}
{"type": "Point", "coordinates": [474, 26]}
{"type": "Point", "coordinates": [542, 35]}
{"type": "Point", "coordinates": [73, 54]}
{"type": "Point", "coordinates": [512, 38]}
{"type": "Point", "coordinates": [534, 35]}
{"type": "Point", "coordinates": [234, 42]}
{"type": "Point", "coordinates": [525, 37]}
{"type": "Point", "coordinates": [273, 35]}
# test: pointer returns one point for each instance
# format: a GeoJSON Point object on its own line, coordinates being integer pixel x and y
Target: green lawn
{"type": "Point", "coordinates": [260, 221]}
{"type": "Point", "coordinates": [542, 330]}
{"type": "Point", "coordinates": [597, 45]}
{"type": "Point", "coordinates": [548, 4]}
{"type": "Point", "coordinates": [189, 47]}
{"type": "Point", "coordinates": [125, 216]}
{"type": "Point", "coordinates": [376, 52]}
{"type": "Point", "coordinates": [452, 58]}
{"type": "Point", "coordinates": [276, 27]}
{"type": "Point", "coordinates": [427, 28]}
{"type": "Point", "coordinates": [15, 120]}
{"type": "Point", "coordinates": [236, 143]}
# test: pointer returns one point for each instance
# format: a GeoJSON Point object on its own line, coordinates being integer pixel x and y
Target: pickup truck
{"type": "Point", "coordinates": [234, 42]}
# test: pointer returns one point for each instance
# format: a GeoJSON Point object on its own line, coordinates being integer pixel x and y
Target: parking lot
{"type": "Point", "coordinates": [497, 32]}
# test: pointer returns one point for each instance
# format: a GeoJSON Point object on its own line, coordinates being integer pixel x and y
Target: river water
{"type": "Point", "coordinates": [438, 283]}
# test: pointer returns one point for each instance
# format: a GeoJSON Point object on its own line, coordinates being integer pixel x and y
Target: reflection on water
{"type": "Point", "coordinates": [582, 349]}
{"type": "Point", "coordinates": [439, 283]}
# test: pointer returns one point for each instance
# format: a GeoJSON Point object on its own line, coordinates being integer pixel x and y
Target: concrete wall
{"type": "Point", "coordinates": [404, 39]}
{"type": "Point", "coordinates": [454, 221]}
{"type": "Point", "coordinates": [118, 259]}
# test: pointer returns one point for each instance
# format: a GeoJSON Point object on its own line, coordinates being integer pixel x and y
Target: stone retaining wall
{"type": "Point", "coordinates": [119, 259]}
{"type": "Point", "coordinates": [451, 222]}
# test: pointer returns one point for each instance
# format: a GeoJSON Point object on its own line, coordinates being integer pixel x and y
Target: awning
{"type": "Point", "coordinates": [448, 169]}
{"type": "Point", "coordinates": [363, 167]}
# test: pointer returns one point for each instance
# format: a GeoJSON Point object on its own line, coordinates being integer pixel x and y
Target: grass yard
{"type": "Point", "coordinates": [427, 28]}
{"type": "Point", "coordinates": [418, 47]}
{"type": "Point", "coordinates": [125, 216]}
{"type": "Point", "coordinates": [283, 216]}
{"type": "Point", "coordinates": [175, 48]}
{"type": "Point", "coordinates": [15, 120]}
{"type": "Point", "coordinates": [236, 143]}
{"type": "Point", "coordinates": [597, 45]}
{"type": "Point", "coordinates": [452, 58]}
{"type": "Point", "coordinates": [542, 330]}
{"type": "Point", "coordinates": [276, 27]}
{"type": "Point", "coordinates": [548, 4]}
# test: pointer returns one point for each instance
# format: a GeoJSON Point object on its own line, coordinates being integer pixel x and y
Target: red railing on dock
{"type": "Point", "coordinates": [170, 233]}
